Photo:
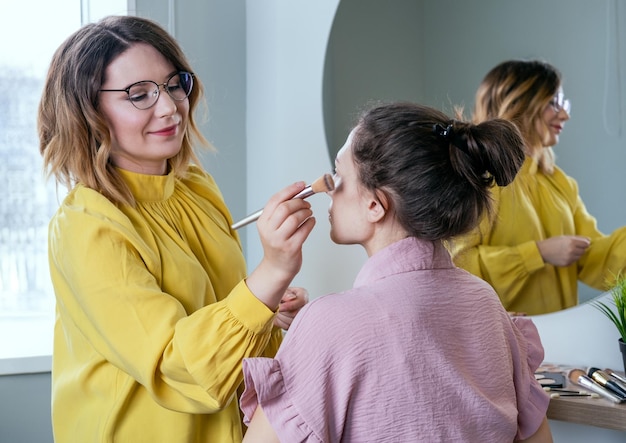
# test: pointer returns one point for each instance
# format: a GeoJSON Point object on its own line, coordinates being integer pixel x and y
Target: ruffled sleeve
{"type": "Point", "coordinates": [305, 390]}
{"type": "Point", "coordinates": [265, 385]}
{"type": "Point", "coordinates": [533, 401]}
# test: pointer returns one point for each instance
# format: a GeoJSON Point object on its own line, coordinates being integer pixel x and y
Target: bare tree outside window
{"type": "Point", "coordinates": [26, 203]}
{"type": "Point", "coordinates": [27, 199]}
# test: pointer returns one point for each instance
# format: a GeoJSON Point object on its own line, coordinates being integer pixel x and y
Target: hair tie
{"type": "Point", "coordinates": [441, 131]}
{"type": "Point", "coordinates": [449, 134]}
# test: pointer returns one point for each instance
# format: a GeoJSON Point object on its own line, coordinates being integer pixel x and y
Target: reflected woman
{"type": "Point", "coordinates": [540, 240]}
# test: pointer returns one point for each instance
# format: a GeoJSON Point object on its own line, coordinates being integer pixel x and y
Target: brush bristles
{"type": "Point", "coordinates": [574, 374]}
{"type": "Point", "coordinates": [323, 184]}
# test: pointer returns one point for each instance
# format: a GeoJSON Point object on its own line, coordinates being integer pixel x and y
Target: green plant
{"type": "Point", "coordinates": [618, 292]}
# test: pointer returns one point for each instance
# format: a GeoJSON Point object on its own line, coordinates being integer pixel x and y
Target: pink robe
{"type": "Point", "coordinates": [418, 350]}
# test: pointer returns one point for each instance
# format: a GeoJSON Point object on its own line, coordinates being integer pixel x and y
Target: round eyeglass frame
{"type": "Point", "coordinates": [157, 91]}
{"type": "Point", "coordinates": [560, 103]}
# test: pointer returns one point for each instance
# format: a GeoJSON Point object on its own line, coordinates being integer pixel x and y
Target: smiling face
{"type": "Point", "coordinates": [142, 140]}
{"type": "Point", "coordinates": [552, 120]}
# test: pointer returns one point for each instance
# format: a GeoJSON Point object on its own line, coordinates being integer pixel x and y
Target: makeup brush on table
{"type": "Point", "coordinates": [560, 392]}
{"type": "Point", "coordinates": [323, 184]}
{"type": "Point", "coordinates": [616, 375]}
{"type": "Point", "coordinates": [604, 380]}
{"type": "Point", "coordinates": [578, 377]}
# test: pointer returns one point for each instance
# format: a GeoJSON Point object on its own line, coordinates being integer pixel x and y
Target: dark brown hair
{"type": "Point", "coordinates": [436, 171]}
{"type": "Point", "coordinates": [74, 137]}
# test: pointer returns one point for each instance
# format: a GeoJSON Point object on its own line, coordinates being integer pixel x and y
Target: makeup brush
{"type": "Point", "coordinates": [615, 375]}
{"type": "Point", "coordinates": [578, 377]}
{"type": "Point", "coordinates": [604, 380]}
{"type": "Point", "coordinates": [323, 184]}
{"type": "Point", "coordinates": [580, 394]}
{"type": "Point", "coordinates": [561, 392]}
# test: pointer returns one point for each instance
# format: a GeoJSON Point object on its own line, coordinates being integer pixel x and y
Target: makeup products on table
{"type": "Point", "coordinates": [323, 184]}
{"type": "Point", "coordinates": [550, 379]}
{"type": "Point", "coordinates": [578, 377]}
{"type": "Point", "coordinates": [606, 381]}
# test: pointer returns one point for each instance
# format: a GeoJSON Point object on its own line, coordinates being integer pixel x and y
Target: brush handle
{"type": "Point", "coordinates": [617, 388]}
{"type": "Point", "coordinates": [616, 376]}
{"type": "Point", "coordinates": [607, 382]}
{"type": "Point", "coordinates": [306, 192]}
{"type": "Point", "coordinates": [325, 183]}
{"type": "Point", "coordinates": [588, 383]}
{"type": "Point", "coordinates": [247, 220]}
{"type": "Point", "coordinates": [571, 394]}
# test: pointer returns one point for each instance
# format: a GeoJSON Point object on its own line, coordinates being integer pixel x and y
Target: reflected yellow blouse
{"type": "Point", "coordinates": [503, 249]}
{"type": "Point", "coordinates": [153, 315]}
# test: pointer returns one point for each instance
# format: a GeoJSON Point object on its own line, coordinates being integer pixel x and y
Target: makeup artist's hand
{"type": "Point", "coordinates": [293, 300]}
{"type": "Point", "coordinates": [283, 227]}
{"type": "Point", "coordinates": [563, 250]}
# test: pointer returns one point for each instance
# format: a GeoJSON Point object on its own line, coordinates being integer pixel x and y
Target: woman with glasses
{"type": "Point", "coordinates": [541, 240]}
{"type": "Point", "coordinates": [155, 310]}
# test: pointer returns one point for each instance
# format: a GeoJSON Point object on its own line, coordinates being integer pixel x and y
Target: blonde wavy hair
{"type": "Point", "coordinates": [519, 91]}
{"type": "Point", "coordinates": [74, 138]}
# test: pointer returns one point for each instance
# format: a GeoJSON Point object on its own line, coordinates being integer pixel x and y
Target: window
{"type": "Point", "coordinates": [27, 200]}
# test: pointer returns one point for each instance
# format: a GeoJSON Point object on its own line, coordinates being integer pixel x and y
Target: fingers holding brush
{"type": "Point", "coordinates": [283, 210]}
{"type": "Point", "coordinates": [325, 183]}
{"type": "Point", "coordinates": [284, 225]}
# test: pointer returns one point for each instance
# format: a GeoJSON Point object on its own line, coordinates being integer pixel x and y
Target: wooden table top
{"type": "Point", "coordinates": [598, 412]}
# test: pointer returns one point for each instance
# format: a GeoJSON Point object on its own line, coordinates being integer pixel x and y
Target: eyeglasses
{"type": "Point", "coordinates": [559, 102]}
{"type": "Point", "coordinates": [144, 94]}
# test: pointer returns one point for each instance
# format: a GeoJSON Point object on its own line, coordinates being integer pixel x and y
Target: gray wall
{"type": "Point", "coordinates": [25, 408]}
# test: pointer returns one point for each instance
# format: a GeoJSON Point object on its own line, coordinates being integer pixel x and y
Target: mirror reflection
{"type": "Point", "coordinates": [437, 52]}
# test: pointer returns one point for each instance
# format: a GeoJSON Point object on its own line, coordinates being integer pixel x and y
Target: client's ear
{"type": "Point", "coordinates": [377, 206]}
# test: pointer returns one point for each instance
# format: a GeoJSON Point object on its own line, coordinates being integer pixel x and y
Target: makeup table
{"type": "Point", "coordinates": [568, 343]}
{"type": "Point", "coordinates": [597, 412]}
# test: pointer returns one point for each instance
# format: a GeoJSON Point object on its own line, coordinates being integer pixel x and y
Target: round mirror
{"type": "Point", "coordinates": [436, 52]}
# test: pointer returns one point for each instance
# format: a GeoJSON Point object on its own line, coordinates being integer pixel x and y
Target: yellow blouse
{"type": "Point", "coordinates": [153, 315]}
{"type": "Point", "coordinates": [503, 249]}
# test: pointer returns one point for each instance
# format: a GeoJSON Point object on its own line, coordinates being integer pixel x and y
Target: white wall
{"type": "Point", "coordinates": [286, 47]}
